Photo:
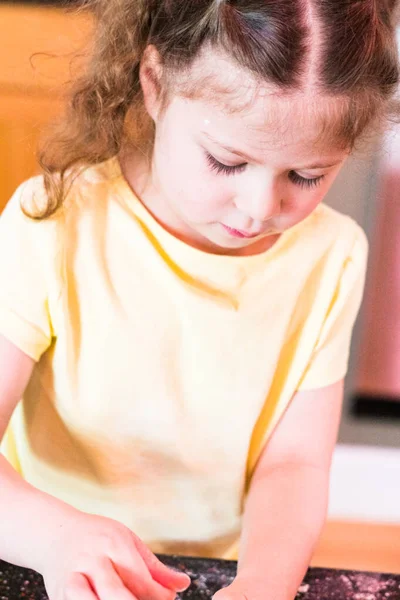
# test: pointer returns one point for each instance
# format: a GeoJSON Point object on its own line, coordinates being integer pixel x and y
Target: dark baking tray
{"type": "Point", "coordinates": [210, 575]}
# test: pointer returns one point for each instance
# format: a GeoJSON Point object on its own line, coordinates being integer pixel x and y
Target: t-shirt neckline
{"type": "Point", "coordinates": [130, 198]}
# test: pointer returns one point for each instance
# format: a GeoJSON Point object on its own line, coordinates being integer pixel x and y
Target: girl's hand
{"type": "Point", "coordinates": [96, 558]}
{"type": "Point", "coordinates": [243, 589]}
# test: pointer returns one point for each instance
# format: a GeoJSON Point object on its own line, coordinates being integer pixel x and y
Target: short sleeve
{"type": "Point", "coordinates": [24, 280]}
{"type": "Point", "coordinates": [329, 361]}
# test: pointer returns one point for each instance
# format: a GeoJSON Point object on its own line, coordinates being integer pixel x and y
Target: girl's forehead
{"type": "Point", "coordinates": [226, 97]}
{"type": "Point", "coordinates": [270, 122]}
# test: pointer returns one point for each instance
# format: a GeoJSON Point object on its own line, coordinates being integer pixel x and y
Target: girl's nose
{"type": "Point", "coordinates": [261, 204]}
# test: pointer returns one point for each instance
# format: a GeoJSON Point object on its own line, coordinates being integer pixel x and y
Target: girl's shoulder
{"type": "Point", "coordinates": [86, 189]}
{"type": "Point", "coordinates": [338, 230]}
{"type": "Point", "coordinates": [85, 203]}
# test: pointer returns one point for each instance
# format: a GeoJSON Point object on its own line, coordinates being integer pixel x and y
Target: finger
{"type": "Point", "coordinates": [136, 576]}
{"type": "Point", "coordinates": [164, 575]}
{"type": "Point", "coordinates": [227, 595]}
{"type": "Point", "coordinates": [78, 587]}
{"type": "Point", "coordinates": [106, 582]}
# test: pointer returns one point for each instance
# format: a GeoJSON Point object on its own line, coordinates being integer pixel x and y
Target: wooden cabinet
{"type": "Point", "coordinates": [36, 48]}
{"type": "Point", "coordinates": [360, 546]}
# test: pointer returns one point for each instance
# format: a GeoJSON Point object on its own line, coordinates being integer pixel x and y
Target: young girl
{"type": "Point", "coordinates": [176, 301]}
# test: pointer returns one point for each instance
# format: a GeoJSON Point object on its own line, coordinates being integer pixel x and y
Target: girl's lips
{"type": "Point", "coordinates": [238, 233]}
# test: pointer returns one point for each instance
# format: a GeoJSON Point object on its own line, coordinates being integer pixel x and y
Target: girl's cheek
{"type": "Point", "coordinates": [299, 207]}
{"type": "Point", "coordinates": [204, 205]}
{"type": "Point", "coordinates": [200, 209]}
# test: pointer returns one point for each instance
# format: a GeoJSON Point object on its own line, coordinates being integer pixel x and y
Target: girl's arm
{"type": "Point", "coordinates": [15, 371]}
{"type": "Point", "coordinates": [288, 499]}
{"type": "Point", "coordinates": [29, 518]}
{"type": "Point", "coordinates": [73, 550]}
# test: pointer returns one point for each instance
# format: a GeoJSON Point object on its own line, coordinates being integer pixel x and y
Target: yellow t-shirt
{"type": "Point", "coordinates": [162, 370]}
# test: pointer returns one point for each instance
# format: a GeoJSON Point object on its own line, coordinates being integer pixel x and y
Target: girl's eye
{"type": "Point", "coordinates": [221, 168]}
{"type": "Point", "coordinates": [303, 182]}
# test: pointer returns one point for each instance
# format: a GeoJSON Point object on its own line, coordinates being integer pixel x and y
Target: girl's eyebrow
{"type": "Point", "coordinates": [249, 158]}
{"type": "Point", "coordinates": [320, 166]}
{"type": "Point", "coordinates": [229, 148]}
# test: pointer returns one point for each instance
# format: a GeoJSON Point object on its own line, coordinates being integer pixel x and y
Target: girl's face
{"type": "Point", "coordinates": [232, 183]}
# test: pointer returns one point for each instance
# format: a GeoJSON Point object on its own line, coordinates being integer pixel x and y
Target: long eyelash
{"type": "Point", "coordinates": [221, 168]}
{"type": "Point", "coordinates": [303, 182]}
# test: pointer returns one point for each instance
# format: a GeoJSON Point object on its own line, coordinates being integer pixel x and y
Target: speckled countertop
{"type": "Point", "coordinates": [209, 575]}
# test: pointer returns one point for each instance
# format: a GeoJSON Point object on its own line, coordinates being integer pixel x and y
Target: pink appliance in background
{"type": "Point", "coordinates": [377, 374]}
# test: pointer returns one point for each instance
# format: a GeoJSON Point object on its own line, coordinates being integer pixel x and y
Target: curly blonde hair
{"type": "Point", "coordinates": [358, 62]}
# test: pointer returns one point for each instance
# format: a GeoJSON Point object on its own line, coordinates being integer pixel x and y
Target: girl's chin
{"type": "Point", "coordinates": [239, 247]}
{"type": "Point", "coordinates": [214, 239]}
